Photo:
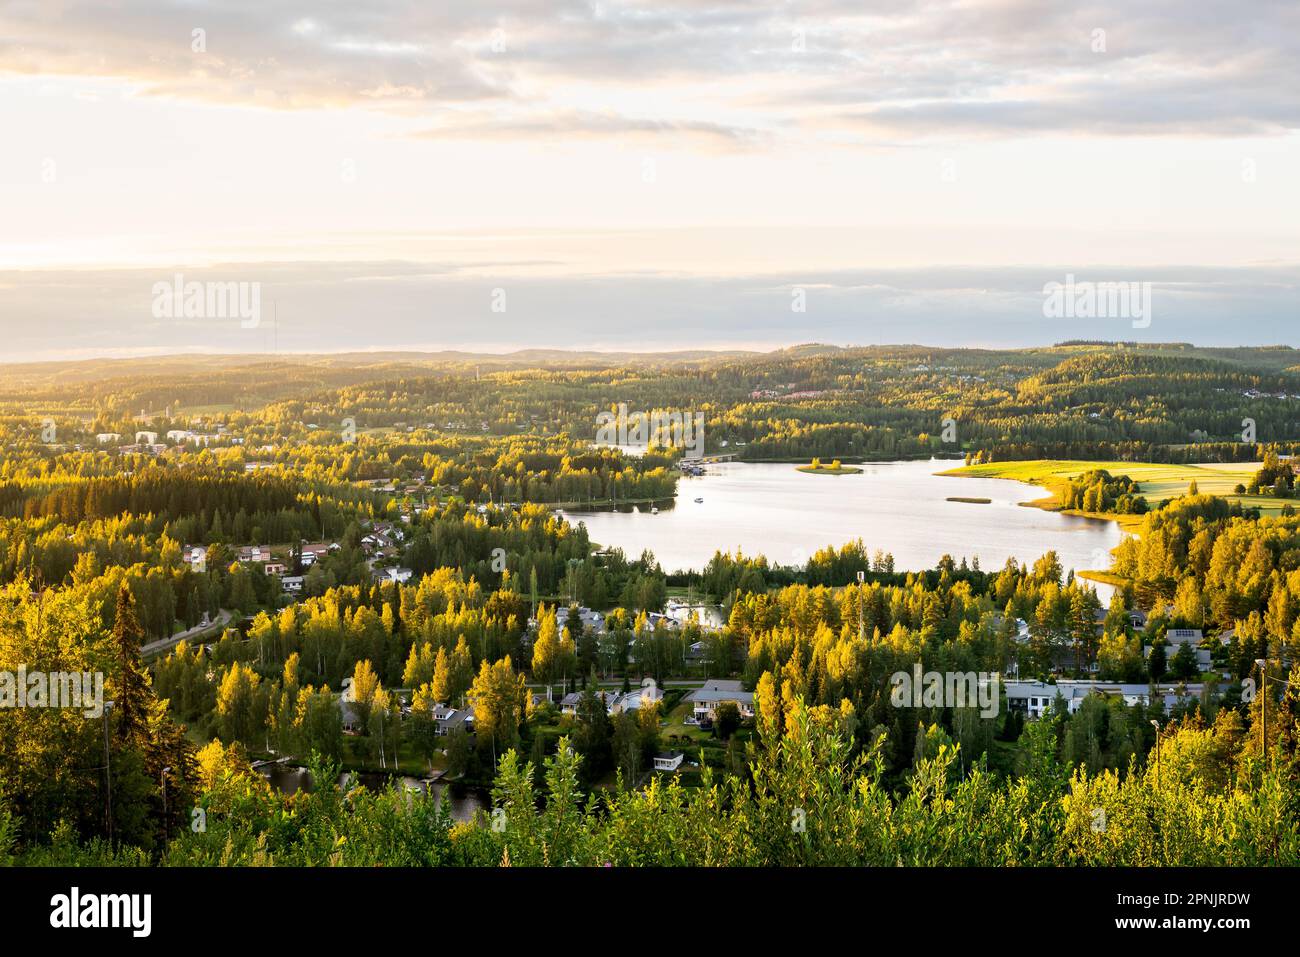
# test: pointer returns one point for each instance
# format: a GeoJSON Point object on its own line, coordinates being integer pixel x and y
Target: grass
{"type": "Point", "coordinates": [829, 469]}
{"type": "Point", "coordinates": [675, 724]}
{"type": "Point", "coordinates": [357, 757]}
{"type": "Point", "coordinates": [1158, 482]}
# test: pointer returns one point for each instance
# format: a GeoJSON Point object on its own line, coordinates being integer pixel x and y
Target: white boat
{"type": "Point", "coordinates": [699, 500]}
{"type": "Point", "coordinates": [654, 509]}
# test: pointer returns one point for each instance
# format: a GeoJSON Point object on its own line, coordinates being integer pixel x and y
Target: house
{"type": "Point", "coordinates": [633, 700]}
{"type": "Point", "coordinates": [453, 719]}
{"type": "Point", "coordinates": [1204, 656]}
{"type": "Point", "coordinates": [276, 568]}
{"type": "Point", "coordinates": [347, 705]}
{"type": "Point", "coordinates": [586, 619]}
{"type": "Point", "coordinates": [254, 553]}
{"type": "Point", "coordinates": [292, 584]}
{"type": "Point", "coordinates": [1183, 636]}
{"type": "Point", "coordinates": [313, 552]}
{"type": "Point", "coordinates": [998, 621]}
{"type": "Point", "coordinates": [103, 438]}
{"type": "Point", "coordinates": [569, 703]}
{"type": "Point", "coordinates": [196, 556]}
{"type": "Point", "coordinates": [146, 438]}
{"type": "Point", "coordinates": [1033, 698]}
{"type": "Point", "coordinates": [668, 760]}
{"type": "Point", "coordinates": [715, 691]}
{"type": "Point", "coordinates": [398, 575]}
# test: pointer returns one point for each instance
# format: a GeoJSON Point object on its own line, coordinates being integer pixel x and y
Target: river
{"type": "Point", "coordinates": [463, 802]}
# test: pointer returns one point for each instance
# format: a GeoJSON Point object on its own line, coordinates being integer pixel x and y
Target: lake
{"type": "Point", "coordinates": [898, 507]}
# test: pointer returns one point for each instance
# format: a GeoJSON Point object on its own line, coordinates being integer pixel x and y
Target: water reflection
{"type": "Point", "coordinates": [463, 802]}
{"type": "Point", "coordinates": [897, 507]}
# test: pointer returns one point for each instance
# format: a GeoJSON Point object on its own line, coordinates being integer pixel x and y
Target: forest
{"type": "Point", "coordinates": [419, 565]}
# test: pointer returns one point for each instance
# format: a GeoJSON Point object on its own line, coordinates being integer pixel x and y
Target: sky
{"type": "Point", "coordinates": [658, 176]}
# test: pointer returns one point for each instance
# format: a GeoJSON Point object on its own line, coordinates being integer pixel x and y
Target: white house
{"type": "Point", "coordinates": [633, 700]}
{"type": "Point", "coordinates": [314, 551]}
{"type": "Point", "coordinates": [705, 700]}
{"type": "Point", "coordinates": [292, 584]}
{"type": "Point", "coordinates": [196, 556]}
{"type": "Point", "coordinates": [668, 760]}
{"type": "Point", "coordinates": [1036, 697]}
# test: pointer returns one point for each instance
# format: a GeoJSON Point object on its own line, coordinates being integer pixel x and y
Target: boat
{"type": "Point", "coordinates": [654, 509]}
{"type": "Point", "coordinates": [699, 500]}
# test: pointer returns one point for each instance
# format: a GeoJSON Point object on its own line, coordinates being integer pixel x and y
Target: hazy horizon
{"type": "Point", "coordinates": [638, 175]}
{"type": "Point", "coordinates": [540, 354]}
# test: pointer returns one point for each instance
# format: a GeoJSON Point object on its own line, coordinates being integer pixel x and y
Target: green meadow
{"type": "Point", "coordinates": [1159, 482]}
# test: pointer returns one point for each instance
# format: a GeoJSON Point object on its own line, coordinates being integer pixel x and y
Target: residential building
{"type": "Point", "coordinates": [668, 760]}
{"type": "Point", "coordinates": [1036, 697]}
{"type": "Point", "coordinates": [715, 691]}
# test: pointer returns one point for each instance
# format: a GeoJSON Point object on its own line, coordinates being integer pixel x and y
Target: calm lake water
{"type": "Point", "coordinates": [463, 802]}
{"type": "Point", "coordinates": [898, 507]}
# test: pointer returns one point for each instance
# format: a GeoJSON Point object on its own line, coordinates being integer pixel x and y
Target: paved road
{"type": "Point", "coordinates": [162, 644]}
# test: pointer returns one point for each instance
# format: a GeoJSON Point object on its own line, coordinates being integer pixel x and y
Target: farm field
{"type": "Point", "coordinates": [1159, 482]}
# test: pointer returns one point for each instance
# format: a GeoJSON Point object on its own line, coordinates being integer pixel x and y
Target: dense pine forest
{"type": "Point", "coordinates": [318, 559]}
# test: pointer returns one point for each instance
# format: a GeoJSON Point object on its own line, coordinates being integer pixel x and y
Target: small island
{"type": "Point", "coordinates": [817, 467]}
{"type": "Point", "coordinates": [970, 501]}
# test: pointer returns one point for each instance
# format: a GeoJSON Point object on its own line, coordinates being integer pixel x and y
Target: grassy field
{"type": "Point", "coordinates": [1158, 482]}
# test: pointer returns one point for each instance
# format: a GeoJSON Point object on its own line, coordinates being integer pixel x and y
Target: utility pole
{"type": "Point", "coordinates": [862, 577]}
{"type": "Point", "coordinates": [1263, 711]}
{"type": "Point", "coordinates": [108, 776]}
{"type": "Point", "coordinates": [163, 778]}
{"type": "Point", "coordinates": [1156, 724]}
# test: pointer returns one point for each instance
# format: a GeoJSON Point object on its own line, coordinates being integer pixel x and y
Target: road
{"type": "Point", "coordinates": [162, 644]}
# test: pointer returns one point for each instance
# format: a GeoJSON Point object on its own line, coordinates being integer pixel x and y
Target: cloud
{"type": "Point", "coordinates": [923, 69]}
{"type": "Point", "coordinates": [584, 123]}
